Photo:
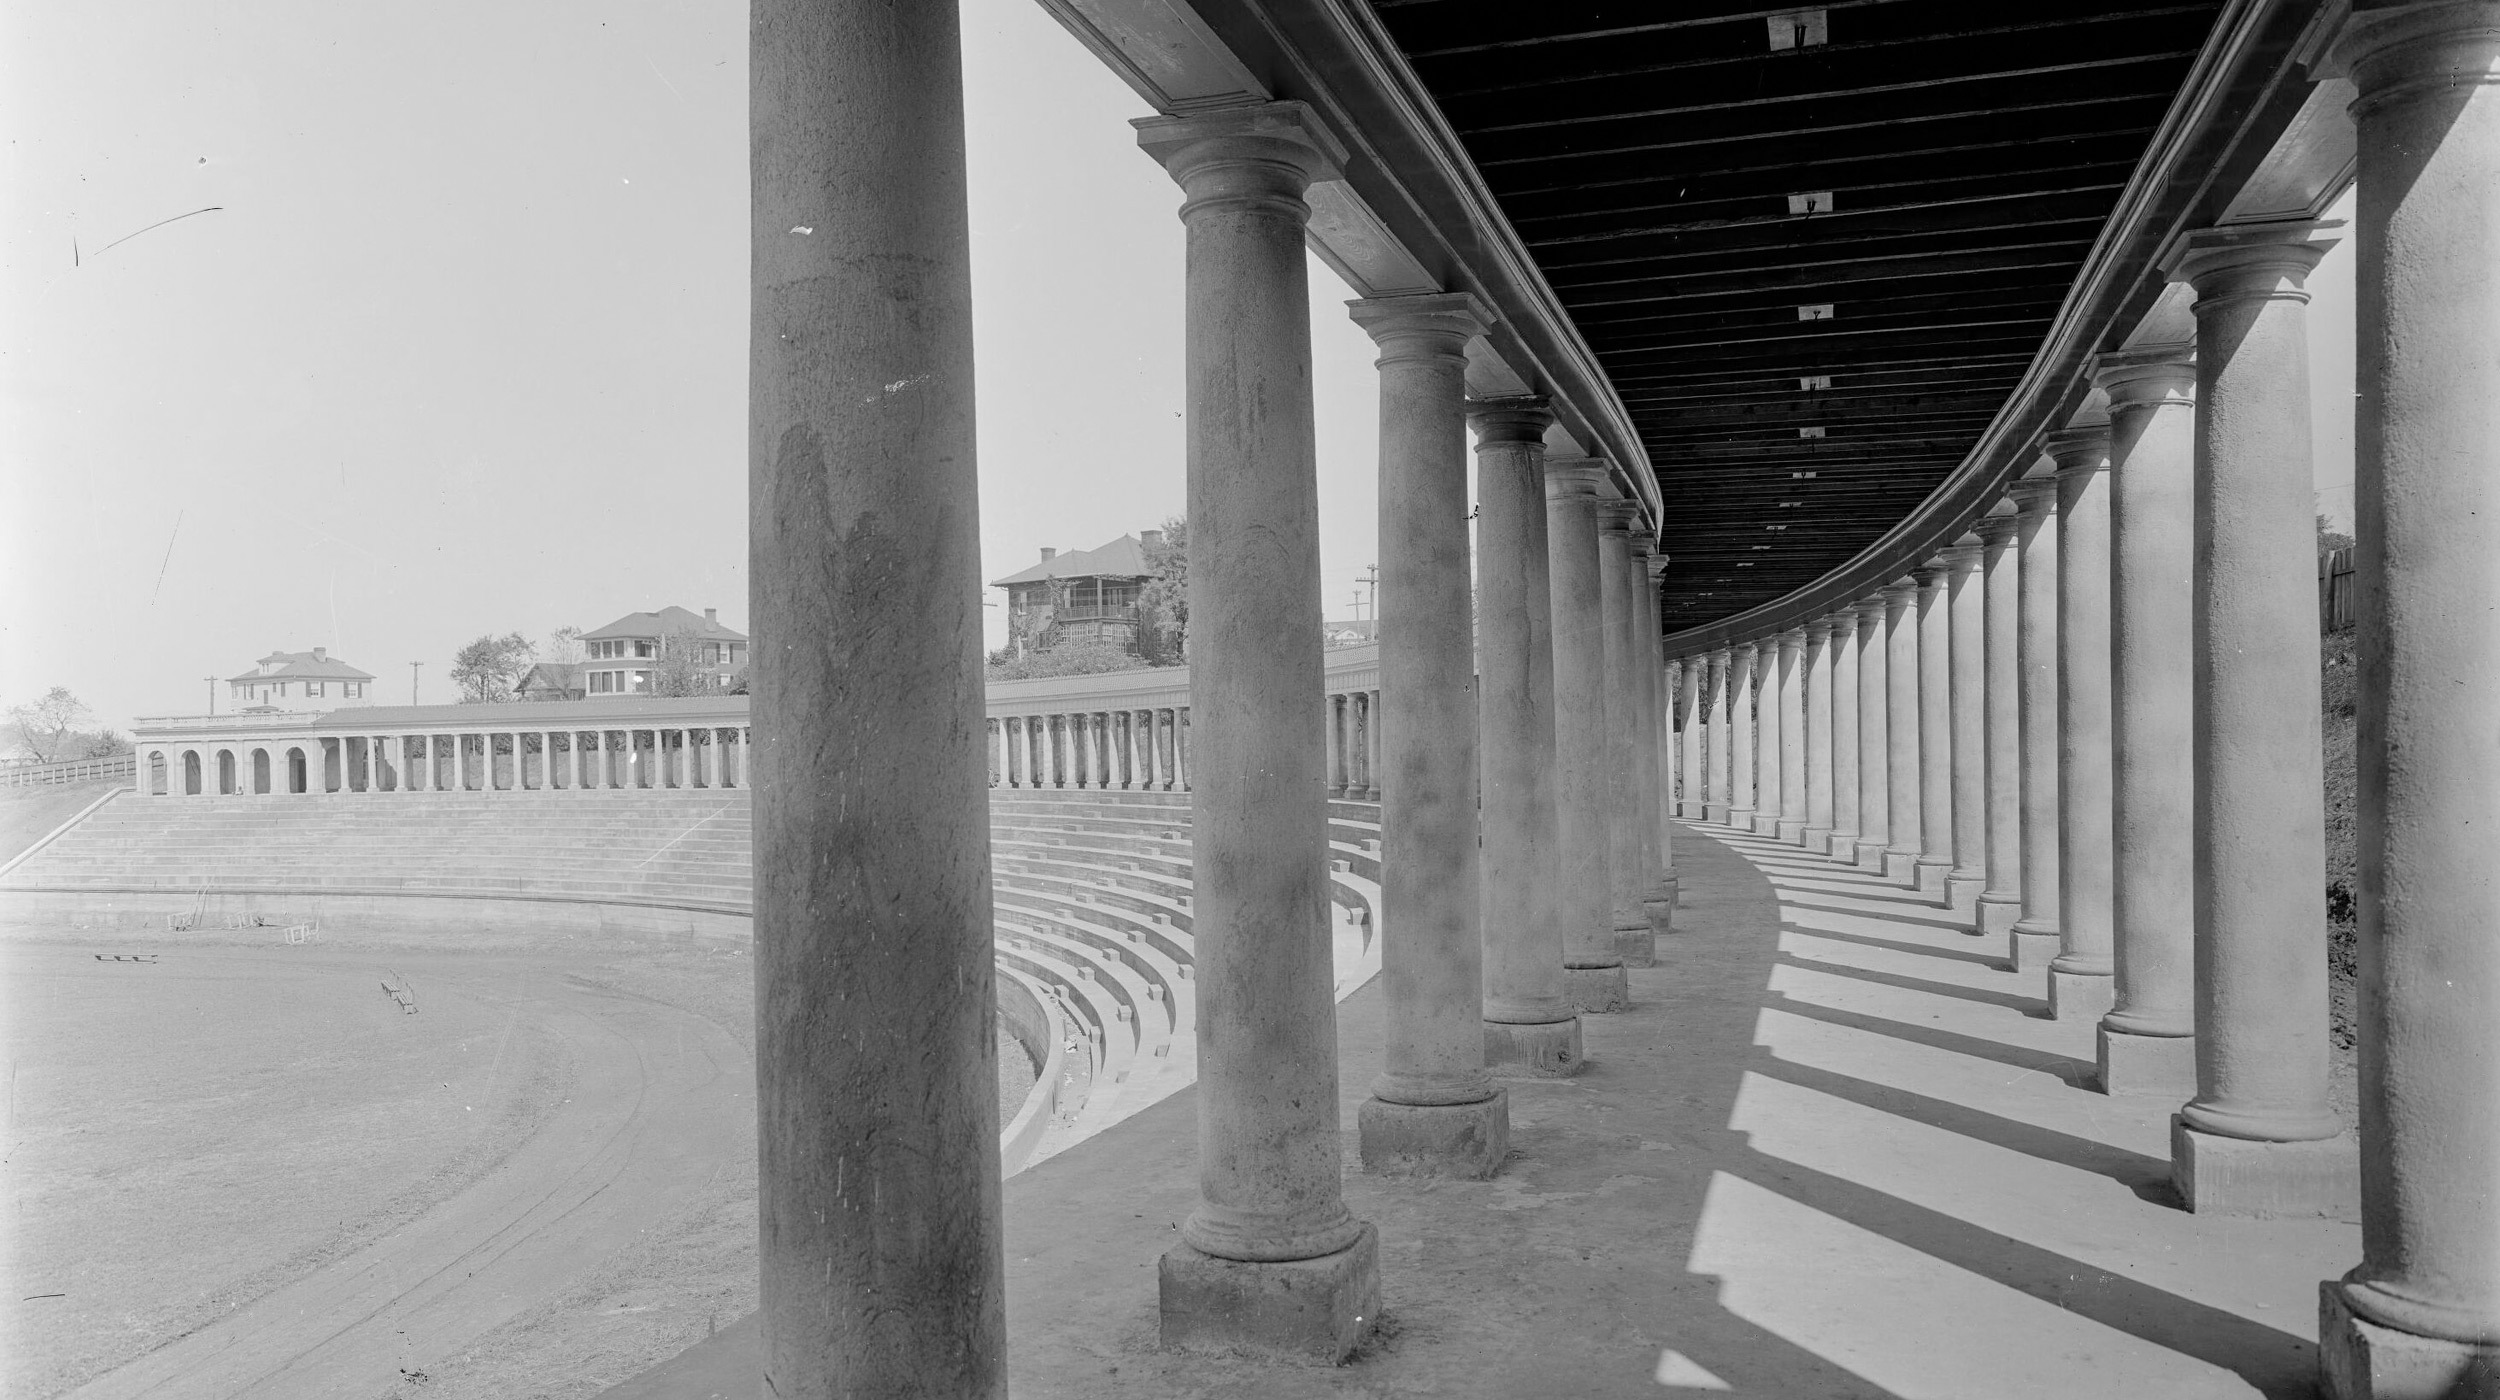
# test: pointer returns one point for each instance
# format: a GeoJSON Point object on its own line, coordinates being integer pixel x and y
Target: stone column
{"type": "Point", "coordinates": [876, 1071]}
{"type": "Point", "coordinates": [2420, 1315]}
{"type": "Point", "coordinates": [2146, 1044]}
{"type": "Point", "coordinates": [2079, 977]}
{"type": "Point", "coordinates": [1965, 596]}
{"type": "Point", "coordinates": [1593, 974]}
{"type": "Point", "coordinates": [1373, 732]}
{"type": "Point", "coordinates": [1741, 751]}
{"type": "Point", "coordinates": [1061, 742]}
{"type": "Point", "coordinates": [2036, 939]}
{"type": "Point", "coordinates": [1820, 796]}
{"type": "Point", "coordinates": [1336, 745]}
{"type": "Point", "coordinates": [1841, 653]}
{"type": "Point", "coordinates": [1433, 1111]}
{"type": "Point", "coordinates": [1874, 731]}
{"type": "Point", "coordinates": [1767, 684]}
{"type": "Point", "coordinates": [1792, 697]}
{"type": "Point", "coordinates": [1935, 727]}
{"type": "Point", "coordinates": [2001, 898]}
{"type": "Point", "coordinates": [1690, 805]}
{"type": "Point", "coordinates": [2260, 1137]}
{"type": "Point", "coordinates": [1718, 734]}
{"type": "Point", "coordinates": [1358, 785]}
{"type": "Point", "coordinates": [1629, 846]}
{"type": "Point", "coordinates": [1167, 740]}
{"type": "Point", "coordinates": [1653, 743]}
{"type": "Point", "coordinates": [1902, 732]}
{"type": "Point", "coordinates": [1270, 1260]}
{"type": "Point", "coordinates": [1529, 1024]}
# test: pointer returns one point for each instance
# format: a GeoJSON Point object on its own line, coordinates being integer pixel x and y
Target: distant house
{"type": "Point", "coordinates": [552, 680]}
{"type": "Point", "coordinates": [624, 656]}
{"type": "Point", "coordinates": [1351, 632]}
{"type": "Point", "coordinates": [287, 681]}
{"type": "Point", "coordinates": [1083, 593]}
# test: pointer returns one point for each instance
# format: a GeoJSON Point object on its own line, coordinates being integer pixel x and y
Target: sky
{"type": "Point", "coordinates": [459, 347]}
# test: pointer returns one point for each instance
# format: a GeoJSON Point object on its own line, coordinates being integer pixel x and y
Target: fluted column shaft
{"type": "Point", "coordinates": [2428, 472]}
{"type": "Point", "coordinates": [2260, 827]}
{"type": "Point", "coordinates": [1584, 805]}
{"type": "Point", "coordinates": [2152, 453]}
{"type": "Point", "coordinates": [1433, 1111]}
{"type": "Point", "coordinates": [875, 1033]}
{"type": "Point", "coordinates": [1267, 1035]}
{"type": "Point", "coordinates": [2001, 900]}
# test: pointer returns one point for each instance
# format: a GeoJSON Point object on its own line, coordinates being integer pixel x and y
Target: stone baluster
{"type": "Point", "coordinates": [2260, 1137]}
{"type": "Point", "coordinates": [2145, 1042]}
{"type": "Point", "coordinates": [1529, 1024]}
{"type": "Point", "coordinates": [1433, 1111]}
{"type": "Point", "coordinates": [2079, 977]}
{"type": "Point", "coordinates": [1270, 1260]}
{"type": "Point", "coordinates": [875, 1028]}
{"type": "Point", "coordinates": [2420, 1314]}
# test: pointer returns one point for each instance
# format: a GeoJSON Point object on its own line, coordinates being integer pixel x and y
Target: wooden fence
{"type": "Point", "coordinates": [76, 770]}
{"type": "Point", "coordinates": [2335, 590]}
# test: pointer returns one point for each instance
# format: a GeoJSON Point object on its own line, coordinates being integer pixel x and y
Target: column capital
{"type": "Point", "coordinates": [2236, 261]}
{"type": "Point", "coordinates": [1843, 623]}
{"type": "Point", "coordinates": [1994, 530]}
{"type": "Point", "coordinates": [1819, 630]}
{"type": "Point", "coordinates": [1517, 421]}
{"type": "Point", "coordinates": [2033, 496]}
{"type": "Point", "coordinates": [1962, 556]}
{"type": "Point", "coordinates": [1720, 657]}
{"type": "Point", "coordinates": [1871, 607]}
{"type": "Point", "coordinates": [2395, 51]}
{"type": "Point", "coordinates": [1256, 153]}
{"type": "Point", "coordinates": [1900, 593]}
{"type": "Point", "coordinates": [1431, 325]}
{"type": "Point", "coordinates": [2080, 449]}
{"type": "Point", "coordinates": [1616, 517]}
{"type": "Point", "coordinates": [2148, 375]}
{"type": "Point", "coordinates": [1573, 478]}
{"type": "Point", "coordinates": [1657, 564]}
{"type": "Point", "coordinates": [1794, 639]}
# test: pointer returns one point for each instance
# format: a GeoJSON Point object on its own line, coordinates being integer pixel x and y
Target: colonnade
{"type": "Point", "coordinates": [1144, 750]}
{"type": "Point", "coordinates": [450, 760]}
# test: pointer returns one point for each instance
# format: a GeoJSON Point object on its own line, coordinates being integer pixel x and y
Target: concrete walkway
{"type": "Point", "coordinates": [1834, 1150]}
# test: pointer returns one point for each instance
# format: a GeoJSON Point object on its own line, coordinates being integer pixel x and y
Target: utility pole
{"type": "Point", "coordinates": [412, 681]}
{"type": "Point", "coordinates": [1371, 581]}
{"type": "Point", "coordinates": [212, 694]}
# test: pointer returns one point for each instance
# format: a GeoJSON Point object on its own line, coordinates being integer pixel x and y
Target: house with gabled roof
{"type": "Point", "coordinates": [285, 681]}
{"type": "Point", "coordinates": [1081, 593]}
{"type": "Point", "coordinates": [623, 657]}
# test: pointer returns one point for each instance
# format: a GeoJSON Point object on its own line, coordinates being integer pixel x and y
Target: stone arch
{"type": "Point", "coordinates": [262, 764]}
{"type": "Point", "coordinates": [192, 778]}
{"type": "Point", "coordinates": [156, 774]}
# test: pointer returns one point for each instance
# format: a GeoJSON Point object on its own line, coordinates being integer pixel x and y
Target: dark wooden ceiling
{"type": "Point", "coordinates": [1962, 158]}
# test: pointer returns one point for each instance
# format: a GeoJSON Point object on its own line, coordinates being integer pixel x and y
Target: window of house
{"type": "Point", "coordinates": [642, 681]}
{"type": "Point", "coordinates": [353, 690]}
{"type": "Point", "coordinates": [737, 653]}
{"type": "Point", "coordinates": [646, 650]}
{"type": "Point", "coordinates": [316, 689]}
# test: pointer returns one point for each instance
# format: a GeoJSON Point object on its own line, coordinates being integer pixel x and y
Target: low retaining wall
{"type": "Point", "coordinates": [1035, 1025]}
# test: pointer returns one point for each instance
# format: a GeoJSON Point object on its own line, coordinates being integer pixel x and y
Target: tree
{"type": "Point", "coordinates": [105, 743]}
{"type": "Point", "coordinates": [681, 668]}
{"type": "Point", "coordinates": [564, 647]}
{"type": "Point", "coordinates": [488, 668]}
{"type": "Point", "coordinates": [1163, 604]}
{"type": "Point", "coordinates": [47, 730]}
{"type": "Point", "coordinates": [2331, 539]}
{"type": "Point", "coordinates": [1073, 656]}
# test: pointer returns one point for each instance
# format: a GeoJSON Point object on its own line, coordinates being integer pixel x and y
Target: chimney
{"type": "Point", "coordinates": [711, 617]}
{"type": "Point", "coordinates": [1150, 538]}
{"type": "Point", "coordinates": [321, 653]}
{"type": "Point", "coordinates": [1049, 554]}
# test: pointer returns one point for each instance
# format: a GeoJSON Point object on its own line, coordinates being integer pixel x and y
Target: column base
{"type": "Point", "coordinates": [1297, 1309]}
{"type": "Point", "coordinates": [2363, 1360]}
{"type": "Point", "coordinates": [1870, 856]}
{"type": "Point", "coordinates": [1693, 811]}
{"type": "Point", "coordinates": [1716, 813]}
{"type": "Point", "coordinates": [1961, 895]}
{"type": "Point", "coordinates": [1901, 868]}
{"type": "Point", "coordinates": [1766, 826]}
{"type": "Point", "coordinates": [1597, 989]}
{"type": "Point", "coordinates": [1638, 947]}
{"type": "Point", "coordinates": [1740, 817]}
{"type": "Point", "coordinates": [1463, 1141]}
{"type": "Point", "coordinates": [2078, 996]}
{"type": "Point", "coordinates": [2162, 1065]}
{"type": "Point", "coordinates": [1544, 1050]}
{"type": "Point", "coordinates": [1818, 840]}
{"type": "Point", "coordinates": [1661, 912]}
{"type": "Point", "coordinates": [1928, 877]}
{"type": "Point", "coordinates": [1996, 916]}
{"type": "Point", "coordinates": [1792, 833]}
{"type": "Point", "coordinates": [2219, 1175]}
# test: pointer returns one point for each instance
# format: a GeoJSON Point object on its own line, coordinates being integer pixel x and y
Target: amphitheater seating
{"type": "Point", "coordinates": [1093, 888]}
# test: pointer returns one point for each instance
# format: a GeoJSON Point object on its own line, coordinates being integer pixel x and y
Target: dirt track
{"type": "Point", "coordinates": [659, 1103]}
